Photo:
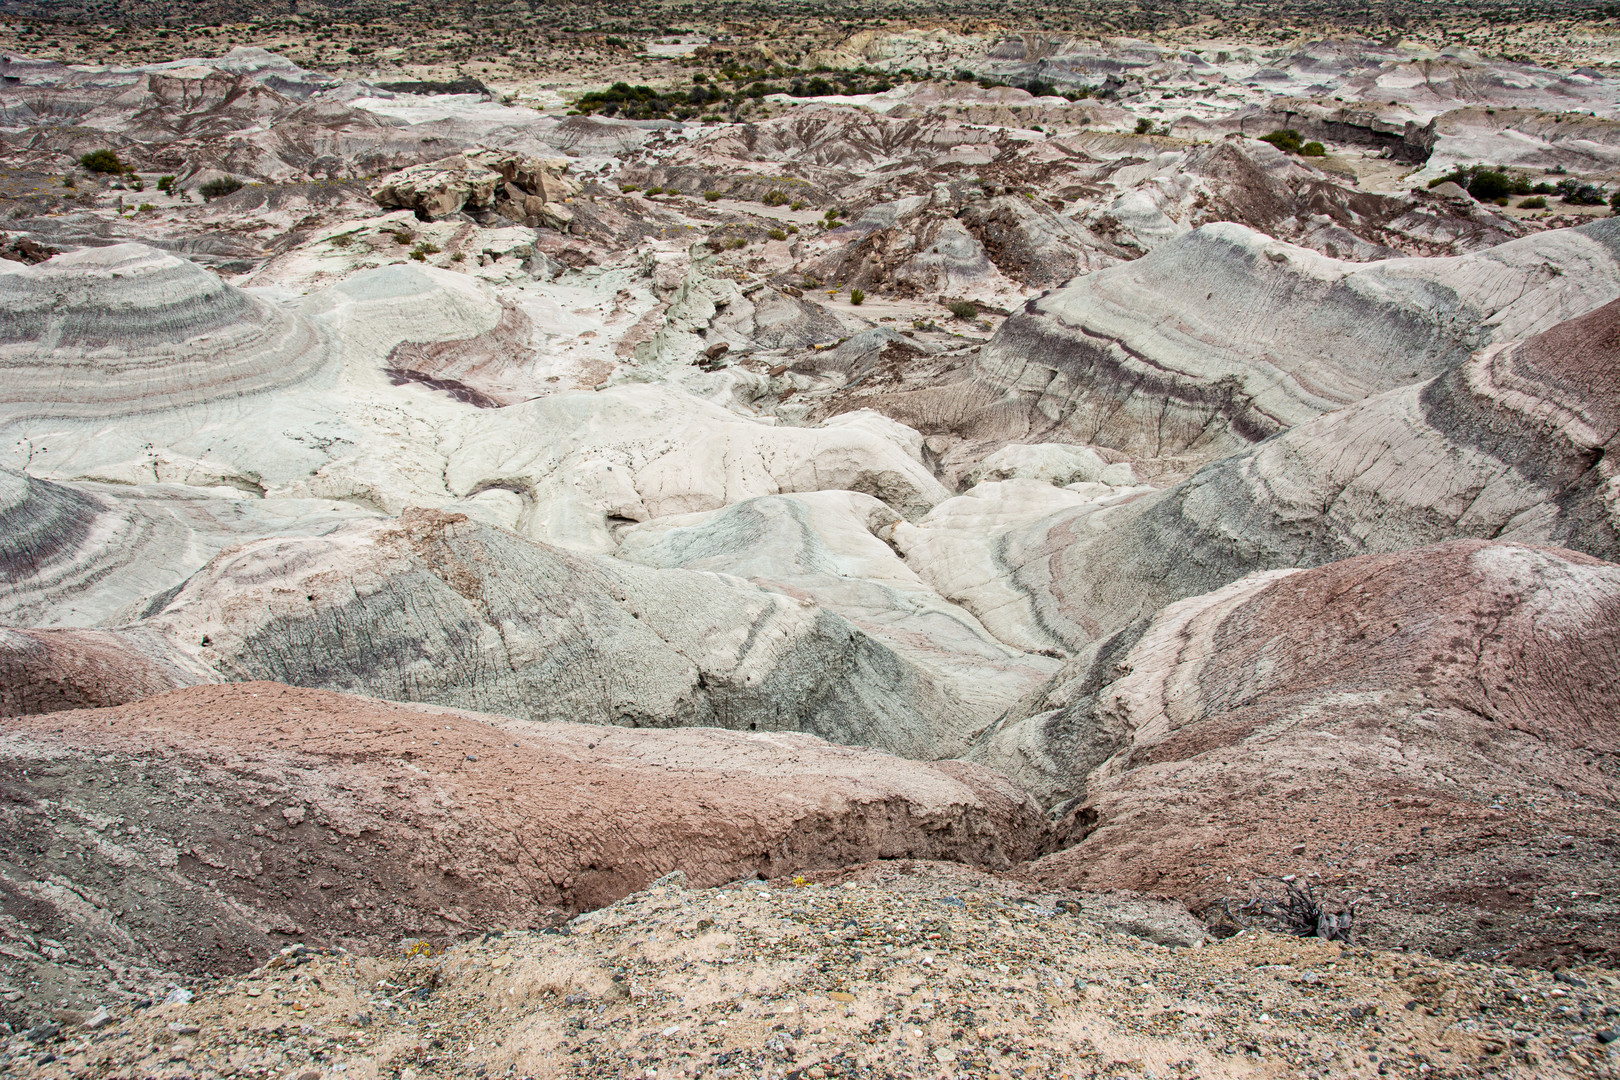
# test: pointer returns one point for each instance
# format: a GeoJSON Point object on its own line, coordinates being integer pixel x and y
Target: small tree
{"type": "Point", "coordinates": [103, 161]}
{"type": "Point", "coordinates": [1286, 140]}
{"type": "Point", "coordinates": [219, 187]}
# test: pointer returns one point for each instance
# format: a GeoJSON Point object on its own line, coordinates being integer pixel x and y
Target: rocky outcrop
{"type": "Point", "coordinates": [123, 330]}
{"type": "Point", "coordinates": [1224, 337]}
{"type": "Point", "coordinates": [833, 548]}
{"type": "Point", "coordinates": [1431, 724]}
{"type": "Point", "coordinates": [525, 189]}
{"type": "Point", "coordinates": [216, 823]}
{"type": "Point", "coordinates": [1513, 444]}
{"type": "Point", "coordinates": [437, 608]}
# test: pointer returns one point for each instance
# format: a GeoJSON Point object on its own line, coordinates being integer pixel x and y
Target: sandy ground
{"type": "Point", "coordinates": [895, 970]}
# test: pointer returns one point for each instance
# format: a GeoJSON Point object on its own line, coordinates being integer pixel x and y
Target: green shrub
{"type": "Point", "coordinates": [736, 242]}
{"type": "Point", "coordinates": [777, 234]}
{"type": "Point", "coordinates": [220, 187]}
{"type": "Point", "coordinates": [1287, 140]}
{"type": "Point", "coordinates": [712, 196]}
{"type": "Point", "coordinates": [628, 188]}
{"type": "Point", "coordinates": [1488, 185]}
{"type": "Point", "coordinates": [793, 230]}
{"type": "Point", "coordinates": [1576, 193]}
{"type": "Point", "coordinates": [810, 282]}
{"type": "Point", "coordinates": [964, 309]}
{"type": "Point", "coordinates": [1313, 149]}
{"type": "Point", "coordinates": [424, 249]}
{"type": "Point", "coordinates": [798, 204]}
{"type": "Point", "coordinates": [655, 191]}
{"type": "Point", "coordinates": [67, 181]}
{"type": "Point", "coordinates": [102, 161]}
{"type": "Point", "coordinates": [404, 236]}
{"type": "Point", "coordinates": [1144, 126]}
{"type": "Point", "coordinates": [1535, 202]}
{"type": "Point", "coordinates": [419, 256]}
{"type": "Point", "coordinates": [775, 197]}
{"type": "Point", "coordinates": [857, 297]}
{"type": "Point", "coordinates": [144, 207]}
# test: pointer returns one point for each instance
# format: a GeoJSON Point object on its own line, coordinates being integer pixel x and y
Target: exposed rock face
{"type": "Point", "coordinates": [126, 329]}
{"type": "Point", "coordinates": [273, 811]}
{"type": "Point", "coordinates": [89, 555]}
{"type": "Point", "coordinates": [44, 671]}
{"type": "Point", "coordinates": [1511, 444]}
{"type": "Point", "coordinates": [438, 608]}
{"type": "Point", "coordinates": [438, 189]}
{"type": "Point", "coordinates": [1225, 336]}
{"type": "Point", "coordinates": [522, 188]}
{"type": "Point", "coordinates": [831, 547]}
{"type": "Point", "coordinates": [1446, 712]}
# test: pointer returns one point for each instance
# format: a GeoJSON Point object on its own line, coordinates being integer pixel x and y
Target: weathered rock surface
{"type": "Point", "coordinates": [1430, 724]}
{"type": "Point", "coordinates": [1511, 444]}
{"type": "Point", "coordinates": [435, 607]}
{"type": "Point", "coordinates": [524, 189]}
{"type": "Point", "coordinates": [125, 329]}
{"type": "Point", "coordinates": [215, 823]}
{"type": "Point", "coordinates": [1225, 336]}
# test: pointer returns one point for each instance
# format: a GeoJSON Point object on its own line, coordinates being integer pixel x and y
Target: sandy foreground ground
{"type": "Point", "coordinates": [890, 970]}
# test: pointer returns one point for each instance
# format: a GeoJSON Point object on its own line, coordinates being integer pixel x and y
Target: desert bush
{"type": "Point", "coordinates": [1576, 193]}
{"type": "Point", "coordinates": [103, 161]}
{"type": "Point", "coordinates": [220, 187]}
{"type": "Point", "coordinates": [736, 242]}
{"type": "Point", "coordinates": [1143, 126]}
{"type": "Point", "coordinates": [964, 309]}
{"type": "Point", "coordinates": [777, 234]}
{"type": "Point", "coordinates": [655, 191]}
{"type": "Point", "coordinates": [1535, 202]}
{"type": "Point", "coordinates": [775, 197]}
{"type": "Point", "coordinates": [857, 297]}
{"type": "Point", "coordinates": [810, 282]}
{"type": "Point", "coordinates": [1487, 185]}
{"type": "Point", "coordinates": [1285, 139]}
{"type": "Point", "coordinates": [67, 182]}
{"type": "Point", "coordinates": [1313, 149]}
{"type": "Point", "coordinates": [798, 204]}
{"type": "Point", "coordinates": [628, 188]}
{"type": "Point", "coordinates": [712, 196]}
{"type": "Point", "coordinates": [1299, 910]}
{"type": "Point", "coordinates": [144, 207]}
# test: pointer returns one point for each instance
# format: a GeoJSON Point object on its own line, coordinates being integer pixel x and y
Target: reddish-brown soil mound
{"type": "Point", "coordinates": [1432, 730]}
{"type": "Point", "coordinates": [201, 829]}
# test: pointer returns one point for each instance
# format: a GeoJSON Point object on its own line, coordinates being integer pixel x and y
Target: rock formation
{"type": "Point", "coordinates": [1428, 724]}
{"type": "Point", "coordinates": [216, 823]}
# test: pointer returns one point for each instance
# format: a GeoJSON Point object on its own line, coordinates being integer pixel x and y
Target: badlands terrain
{"type": "Point", "coordinates": [533, 545]}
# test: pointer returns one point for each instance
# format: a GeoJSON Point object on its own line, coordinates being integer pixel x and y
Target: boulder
{"type": "Point", "coordinates": [440, 188]}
